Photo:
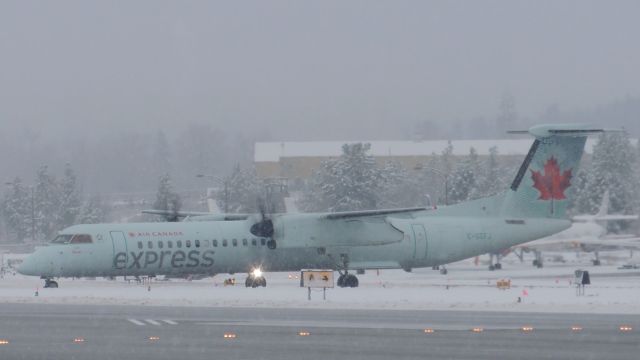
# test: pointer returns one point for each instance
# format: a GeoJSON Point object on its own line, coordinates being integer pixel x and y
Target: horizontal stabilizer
{"type": "Point", "coordinates": [563, 130]}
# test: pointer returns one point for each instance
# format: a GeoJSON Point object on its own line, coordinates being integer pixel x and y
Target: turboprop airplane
{"type": "Point", "coordinates": [531, 208]}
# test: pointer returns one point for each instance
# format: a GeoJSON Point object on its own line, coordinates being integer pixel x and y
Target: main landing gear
{"type": "Point", "coordinates": [48, 283]}
{"type": "Point", "coordinates": [497, 265]}
{"type": "Point", "coordinates": [347, 280]}
{"type": "Point", "coordinates": [596, 261]}
{"type": "Point", "coordinates": [538, 261]}
{"type": "Point", "coordinates": [255, 279]}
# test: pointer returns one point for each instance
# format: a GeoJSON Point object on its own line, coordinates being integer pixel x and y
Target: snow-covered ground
{"type": "Point", "coordinates": [467, 286]}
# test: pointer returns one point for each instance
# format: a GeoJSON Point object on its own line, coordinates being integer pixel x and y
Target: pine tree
{"type": "Point", "coordinates": [239, 192]}
{"type": "Point", "coordinates": [612, 169]}
{"type": "Point", "coordinates": [167, 199]}
{"type": "Point", "coordinates": [400, 188]}
{"type": "Point", "coordinates": [47, 203]}
{"type": "Point", "coordinates": [463, 180]}
{"type": "Point", "coordinates": [17, 210]}
{"type": "Point", "coordinates": [93, 211]}
{"type": "Point", "coordinates": [350, 182]}
{"type": "Point", "coordinates": [489, 179]}
{"type": "Point", "coordinates": [69, 199]}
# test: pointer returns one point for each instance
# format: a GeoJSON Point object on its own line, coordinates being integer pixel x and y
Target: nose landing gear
{"type": "Point", "coordinates": [255, 279]}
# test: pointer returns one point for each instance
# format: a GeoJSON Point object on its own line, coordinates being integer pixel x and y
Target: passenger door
{"type": "Point", "coordinates": [119, 247]}
{"type": "Point", "coordinates": [420, 237]}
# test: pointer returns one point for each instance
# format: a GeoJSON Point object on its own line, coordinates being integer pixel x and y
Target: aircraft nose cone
{"type": "Point", "coordinates": [29, 266]}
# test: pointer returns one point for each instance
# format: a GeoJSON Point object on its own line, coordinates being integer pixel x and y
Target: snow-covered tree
{"type": "Point", "coordinates": [612, 168]}
{"type": "Point", "coordinates": [239, 192]}
{"type": "Point", "coordinates": [47, 203]}
{"type": "Point", "coordinates": [400, 188]}
{"type": "Point", "coordinates": [69, 199]}
{"type": "Point", "coordinates": [349, 182]}
{"type": "Point", "coordinates": [464, 178]}
{"type": "Point", "coordinates": [93, 211]}
{"type": "Point", "coordinates": [17, 210]}
{"type": "Point", "coordinates": [489, 177]}
{"type": "Point", "coordinates": [167, 199]}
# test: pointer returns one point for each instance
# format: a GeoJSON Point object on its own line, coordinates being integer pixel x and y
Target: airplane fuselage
{"type": "Point", "coordinates": [211, 247]}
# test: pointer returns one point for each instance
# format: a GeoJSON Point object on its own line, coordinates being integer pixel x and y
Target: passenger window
{"type": "Point", "coordinates": [170, 244]}
{"type": "Point", "coordinates": [81, 239]}
{"type": "Point", "coordinates": [245, 242]}
{"type": "Point", "coordinates": [188, 243]}
{"type": "Point", "coordinates": [197, 243]}
{"type": "Point", "coordinates": [160, 244]}
{"type": "Point", "coordinates": [139, 244]}
{"type": "Point", "coordinates": [215, 243]}
{"type": "Point", "coordinates": [254, 242]}
{"type": "Point", "coordinates": [235, 242]}
{"type": "Point", "coordinates": [150, 244]}
{"type": "Point", "coordinates": [263, 242]}
{"type": "Point", "coordinates": [224, 242]}
{"type": "Point", "coordinates": [179, 243]}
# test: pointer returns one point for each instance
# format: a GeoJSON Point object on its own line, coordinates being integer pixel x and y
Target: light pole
{"type": "Point", "coordinates": [219, 181]}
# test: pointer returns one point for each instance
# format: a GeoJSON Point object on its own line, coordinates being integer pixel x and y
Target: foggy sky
{"type": "Point", "coordinates": [306, 70]}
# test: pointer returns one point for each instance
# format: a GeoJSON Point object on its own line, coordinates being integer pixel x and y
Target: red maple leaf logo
{"type": "Point", "coordinates": [552, 184]}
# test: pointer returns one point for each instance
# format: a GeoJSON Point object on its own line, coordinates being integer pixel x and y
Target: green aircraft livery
{"type": "Point", "coordinates": [533, 207]}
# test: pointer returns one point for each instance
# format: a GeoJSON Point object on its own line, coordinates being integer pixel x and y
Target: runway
{"type": "Point", "coordinates": [99, 332]}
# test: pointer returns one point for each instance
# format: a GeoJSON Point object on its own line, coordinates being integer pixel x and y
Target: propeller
{"type": "Point", "coordinates": [264, 228]}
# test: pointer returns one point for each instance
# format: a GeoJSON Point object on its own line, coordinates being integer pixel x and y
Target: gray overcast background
{"type": "Point", "coordinates": [292, 70]}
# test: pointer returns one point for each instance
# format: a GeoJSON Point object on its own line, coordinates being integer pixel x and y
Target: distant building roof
{"type": "Point", "coordinates": [273, 151]}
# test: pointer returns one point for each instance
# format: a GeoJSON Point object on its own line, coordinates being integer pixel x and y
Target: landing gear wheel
{"type": "Point", "coordinates": [350, 281]}
{"type": "Point", "coordinates": [492, 267]}
{"type": "Point", "coordinates": [498, 266]}
{"type": "Point", "coordinates": [596, 262]}
{"type": "Point", "coordinates": [444, 271]}
{"type": "Point", "coordinates": [255, 282]}
{"type": "Point", "coordinates": [535, 263]}
{"type": "Point", "coordinates": [341, 281]}
{"type": "Point", "coordinates": [50, 284]}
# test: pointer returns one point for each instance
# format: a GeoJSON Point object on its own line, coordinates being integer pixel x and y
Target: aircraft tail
{"type": "Point", "coordinates": [542, 185]}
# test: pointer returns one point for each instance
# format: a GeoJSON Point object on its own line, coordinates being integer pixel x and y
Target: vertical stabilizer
{"type": "Point", "coordinates": [543, 183]}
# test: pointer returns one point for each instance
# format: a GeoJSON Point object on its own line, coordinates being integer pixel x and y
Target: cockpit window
{"type": "Point", "coordinates": [73, 239]}
{"type": "Point", "coordinates": [62, 239]}
{"type": "Point", "coordinates": [81, 239]}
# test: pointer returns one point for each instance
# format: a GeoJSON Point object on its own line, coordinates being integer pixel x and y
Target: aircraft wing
{"type": "Point", "coordinates": [198, 215]}
{"type": "Point", "coordinates": [366, 213]}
